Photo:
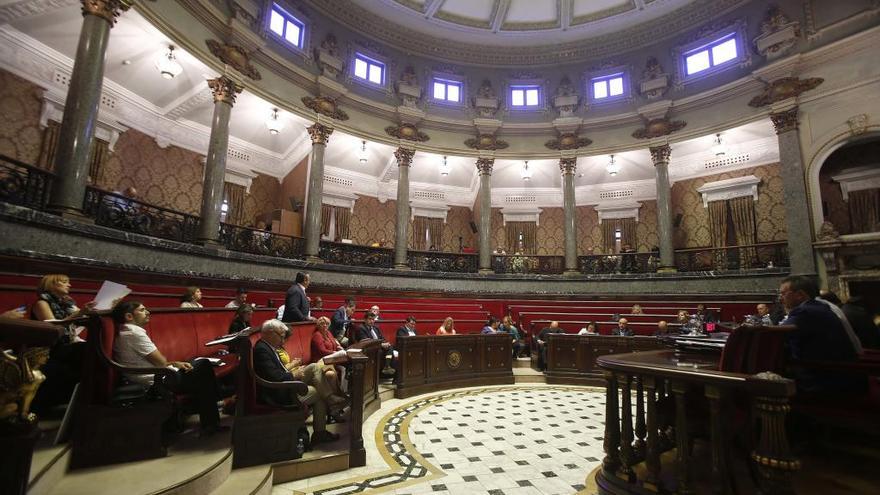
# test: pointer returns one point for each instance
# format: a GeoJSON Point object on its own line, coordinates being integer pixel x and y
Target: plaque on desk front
{"type": "Point", "coordinates": [453, 359]}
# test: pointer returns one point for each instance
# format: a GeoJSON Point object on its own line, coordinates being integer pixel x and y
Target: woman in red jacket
{"type": "Point", "coordinates": [323, 342]}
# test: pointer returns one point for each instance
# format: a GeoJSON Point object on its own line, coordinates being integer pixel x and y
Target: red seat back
{"type": "Point", "coordinates": [734, 356]}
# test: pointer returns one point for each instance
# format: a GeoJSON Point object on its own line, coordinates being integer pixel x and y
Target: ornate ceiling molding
{"type": "Point", "coordinates": [486, 142]}
{"type": "Point", "coordinates": [408, 132]}
{"type": "Point", "coordinates": [656, 128]}
{"type": "Point", "coordinates": [783, 89]}
{"type": "Point", "coordinates": [326, 106]}
{"type": "Point", "coordinates": [30, 8]}
{"type": "Point", "coordinates": [568, 141]}
{"type": "Point", "coordinates": [235, 57]}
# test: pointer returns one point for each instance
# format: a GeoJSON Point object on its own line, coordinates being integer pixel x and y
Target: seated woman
{"type": "Point", "coordinates": [242, 318]}
{"type": "Point", "coordinates": [323, 344]}
{"type": "Point", "coordinates": [491, 326]}
{"type": "Point", "coordinates": [519, 344]}
{"type": "Point", "coordinates": [64, 367]}
{"type": "Point", "coordinates": [447, 328]}
{"type": "Point", "coordinates": [636, 309]}
{"type": "Point", "coordinates": [191, 298]}
{"type": "Point", "coordinates": [590, 329]}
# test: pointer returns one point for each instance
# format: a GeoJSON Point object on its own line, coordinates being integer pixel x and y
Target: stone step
{"type": "Point", "coordinates": [523, 362]}
{"type": "Point", "coordinates": [528, 375]}
{"type": "Point", "coordinates": [255, 480]}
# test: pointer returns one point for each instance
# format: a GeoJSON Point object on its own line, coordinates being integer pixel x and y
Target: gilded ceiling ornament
{"type": "Point", "coordinates": [486, 142]}
{"type": "Point", "coordinates": [568, 141]}
{"type": "Point", "coordinates": [108, 10]}
{"type": "Point", "coordinates": [235, 57]}
{"type": "Point", "coordinates": [325, 105]}
{"type": "Point", "coordinates": [785, 121]}
{"type": "Point", "coordinates": [319, 133]}
{"type": "Point", "coordinates": [224, 89]}
{"type": "Point", "coordinates": [658, 128]}
{"type": "Point", "coordinates": [408, 132]}
{"type": "Point", "coordinates": [660, 154]}
{"type": "Point", "coordinates": [568, 166]}
{"type": "Point", "coordinates": [783, 89]}
{"type": "Point", "coordinates": [484, 165]}
{"type": "Point", "coordinates": [404, 156]}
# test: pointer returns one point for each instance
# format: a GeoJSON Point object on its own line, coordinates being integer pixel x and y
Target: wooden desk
{"type": "Point", "coordinates": [571, 359]}
{"type": "Point", "coordinates": [429, 363]}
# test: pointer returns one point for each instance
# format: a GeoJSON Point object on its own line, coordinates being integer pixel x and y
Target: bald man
{"type": "Point", "coordinates": [542, 343]}
{"type": "Point", "coordinates": [623, 328]}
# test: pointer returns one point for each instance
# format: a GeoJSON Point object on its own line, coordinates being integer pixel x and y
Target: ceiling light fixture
{"type": "Point", "coordinates": [362, 154]}
{"type": "Point", "coordinates": [444, 169]}
{"type": "Point", "coordinates": [168, 65]}
{"type": "Point", "coordinates": [525, 173]}
{"type": "Point", "coordinates": [613, 167]}
{"type": "Point", "coordinates": [273, 123]}
{"type": "Point", "coordinates": [719, 149]}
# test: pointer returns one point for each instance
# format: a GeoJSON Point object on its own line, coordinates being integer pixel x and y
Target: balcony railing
{"type": "Point", "coordinates": [733, 258]}
{"type": "Point", "coordinates": [247, 240]}
{"type": "Point", "coordinates": [123, 213]}
{"type": "Point", "coordinates": [24, 185]}
{"type": "Point", "coordinates": [431, 261]}
{"type": "Point", "coordinates": [355, 255]}
{"type": "Point", "coordinates": [547, 265]}
{"type": "Point", "coordinates": [602, 264]}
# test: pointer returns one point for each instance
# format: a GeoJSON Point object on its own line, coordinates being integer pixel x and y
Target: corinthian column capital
{"type": "Point", "coordinates": [108, 10]}
{"type": "Point", "coordinates": [404, 156]}
{"type": "Point", "coordinates": [660, 154]}
{"type": "Point", "coordinates": [484, 165]}
{"type": "Point", "coordinates": [786, 120]}
{"type": "Point", "coordinates": [224, 89]}
{"type": "Point", "coordinates": [319, 133]}
{"type": "Point", "coordinates": [568, 166]}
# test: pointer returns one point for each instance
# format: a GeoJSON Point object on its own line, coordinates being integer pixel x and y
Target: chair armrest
{"type": "Point", "coordinates": [299, 387]}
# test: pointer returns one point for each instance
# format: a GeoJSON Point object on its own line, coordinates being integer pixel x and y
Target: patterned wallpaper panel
{"type": "Point", "coordinates": [589, 233]}
{"type": "Point", "coordinates": [458, 224]}
{"type": "Point", "coordinates": [169, 177]}
{"type": "Point", "coordinates": [20, 132]}
{"type": "Point", "coordinates": [769, 209]}
{"type": "Point", "coordinates": [646, 230]}
{"type": "Point", "coordinates": [373, 221]}
{"type": "Point", "coordinates": [551, 236]}
{"type": "Point", "coordinates": [264, 196]}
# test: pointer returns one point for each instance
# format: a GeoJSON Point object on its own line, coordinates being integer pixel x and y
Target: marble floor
{"type": "Point", "coordinates": [520, 439]}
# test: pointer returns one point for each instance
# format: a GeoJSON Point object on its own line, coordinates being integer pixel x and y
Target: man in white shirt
{"type": "Point", "coordinates": [240, 298]}
{"type": "Point", "coordinates": [133, 348]}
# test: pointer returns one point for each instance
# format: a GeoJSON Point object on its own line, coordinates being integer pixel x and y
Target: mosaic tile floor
{"type": "Point", "coordinates": [521, 439]}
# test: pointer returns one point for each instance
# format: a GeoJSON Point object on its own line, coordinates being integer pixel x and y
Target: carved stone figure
{"type": "Point", "coordinates": [778, 34]}
{"type": "Point", "coordinates": [408, 87]}
{"type": "Point", "coordinates": [654, 81]}
{"type": "Point", "coordinates": [328, 57]}
{"type": "Point", "coordinates": [486, 103]}
{"type": "Point", "coordinates": [20, 377]}
{"type": "Point", "coordinates": [486, 90]}
{"type": "Point", "coordinates": [827, 232]}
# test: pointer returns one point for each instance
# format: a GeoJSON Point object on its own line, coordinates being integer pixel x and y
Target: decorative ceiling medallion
{"type": "Point", "coordinates": [658, 128]}
{"type": "Point", "coordinates": [783, 89]}
{"type": "Point", "coordinates": [235, 57]}
{"type": "Point", "coordinates": [408, 132]}
{"type": "Point", "coordinates": [486, 142]}
{"type": "Point", "coordinates": [325, 105]}
{"type": "Point", "coordinates": [568, 141]}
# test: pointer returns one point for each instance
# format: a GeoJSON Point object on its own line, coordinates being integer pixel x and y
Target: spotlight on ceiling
{"type": "Point", "coordinates": [613, 167]}
{"type": "Point", "coordinates": [525, 173]}
{"type": "Point", "coordinates": [719, 149]}
{"type": "Point", "coordinates": [444, 169]}
{"type": "Point", "coordinates": [168, 65]}
{"type": "Point", "coordinates": [273, 123]}
{"type": "Point", "coordinates": [362, 154]}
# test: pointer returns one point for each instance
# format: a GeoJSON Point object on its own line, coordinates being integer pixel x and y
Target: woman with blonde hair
{"type": "Point", "coordinates": [636, 309]}
{"type": "Point", "coordinates": [447, 328]}
{"type": "Point", "coordinates": [191, 298]}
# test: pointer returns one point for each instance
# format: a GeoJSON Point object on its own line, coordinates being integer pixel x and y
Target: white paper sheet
{"type": "Point", "coordinates": [109, 292]}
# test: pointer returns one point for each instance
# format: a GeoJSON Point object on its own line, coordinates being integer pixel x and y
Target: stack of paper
{"type": "Point", "coordinates": [109, 294]}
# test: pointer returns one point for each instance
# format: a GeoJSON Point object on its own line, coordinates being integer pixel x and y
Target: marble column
{"type": "Point", "coordinates": [797, 211]}
{"type": "Point", "coordinates": [225, 90]}
{"type": "Point", "coordinates": [660, 156]}
{"type": "Point", "coordinates": [401, 241]}
{"type": "Point", "coordinates": [484, 168]}
{"type": "Point", "coordinates": [319, 133]}
{"type": "Point", "coordinates": [81, 106]}
{"type": "Point", "coordinates": [568, 167]}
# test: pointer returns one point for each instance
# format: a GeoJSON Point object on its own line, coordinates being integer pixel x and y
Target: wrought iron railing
{"type": "Point", "coordinates": [547, 265]}
{"type": "Point", "coordinates": [601, 264]}
{"type": "Point", "coordinates": [354, 255]}
{"type": "Point", "coordinates": [24, 185]}
{"type": "Point", "coordinates": [123, 213]}
{"type": "Point", "coordinates": [247, 240]}
{"type": "Point", "coordinates": [733, 258]}
{"type": "Point", "coordinates": [432, 261]}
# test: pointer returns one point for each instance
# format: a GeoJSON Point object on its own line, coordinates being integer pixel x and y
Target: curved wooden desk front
{"type": "Point", "coordinates": [432, 362]}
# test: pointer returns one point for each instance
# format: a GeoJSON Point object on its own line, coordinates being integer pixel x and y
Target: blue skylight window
{"type": "Point", "coordinates": [369, 69]}
{"type": "Point", "coordinates": [712, 54]}
{"type": "Point", "coordinates": [447, 90]}
{"type": "Point", "coordinates": [285, 25]}
{"type": "Point", "coordinates": [609, 86]}
{"type": "Point", "coordinates": [524, 96]}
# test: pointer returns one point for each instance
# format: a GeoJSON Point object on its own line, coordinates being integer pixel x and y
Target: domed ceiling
{"type": "Point", "coordinates": [544, 31]}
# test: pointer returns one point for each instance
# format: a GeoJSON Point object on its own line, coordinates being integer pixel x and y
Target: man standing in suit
{"type": "Point", "coordinates": [623, 328]}
{"type": "Point", "coordinates": [296, 304]}
{"type": "Point", "coordinates": [408, 329]}
{"type": "Point", "coordinates": [341, 320]}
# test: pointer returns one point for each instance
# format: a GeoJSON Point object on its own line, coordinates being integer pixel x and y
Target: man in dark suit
{"type": "Point", "coordinates": [708, 316]}
{"type": "Point", "coordinates": [369, 330]}
{"type": "Point", "coordinates": [296, 304]}
{"type": "Point", "coordinates": [542, 343]}
{"type": "Point", "coordinates": [623, 328]}
{"type": "Point", "coordinates": [268, 366]}
{"type": "Point", "coordinates": [408, 329]}
{"type": "Point", "coordinates": [341, 320]}
{"type": "Point", "coordinates": [819, 335]}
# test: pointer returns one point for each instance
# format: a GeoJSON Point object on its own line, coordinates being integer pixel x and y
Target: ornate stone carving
{"type": "Point", "coordinates": [566, 99]}
{"type": "Point", "coordinates": [654, 81]}
{"type": "Point", "coordinates": [486, 142]}
{"type": "Point", "coordinates": [484, 165]}
{"type": "Point", "coordinates": [408, 132]}
{"type": "Point", "coordinates": [20, 377]}
{"type": "Point", "coordinates": [660, 154]}
{"type": "Point", "coordinates": [108, 10]}
{"type": "Point", "coordinates": [785, 121]}
{"type": "Point", "coordinates": [655, 128]}
{"type": "Point", "coordinates": [783, 89]}
{"type": "Point", "coordinates": [319, 133]}
{"type": "Point", "coordinates": [325, 105]}
{"type": "Point", "coordinates": [224, 89]}
{"type": "Point", "coordinates": [778, 34]}
{"type": "Point", "coordinates": [485, 102]}
{"type": "Point", "coordinates": [404, 156]}
{"type": "Point", "coordinates": [327, 55]}
{"type": "Point", "coordinates": [568, 166]}
{"type": "Point", "coordinates": [568, 141]}
{"type": "Point", "coordinates": [408, 87]}
{"type": "Point", "coordinates": [858, 124]}
{"type": "Point", "coordinates": [827, 232]}
{"type": "Point", "coordinates": [235, 57]}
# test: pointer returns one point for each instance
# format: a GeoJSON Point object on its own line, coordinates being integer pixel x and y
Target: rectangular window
{"type": "Point", "coordinates": [447, 90]}
{"type": "Point", "coordinates": [285, 25]}
{"type": "Point", "coordinates": [711, 54]}
{"type": "Point", "coordinates": [525, 96]}
{"type": "Point", "coordinates": [369, 69]}
{"type": "Point", "coordinates": [607, 86]}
